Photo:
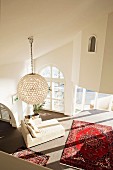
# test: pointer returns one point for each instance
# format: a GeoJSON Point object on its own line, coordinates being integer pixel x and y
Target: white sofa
{"type": "Point", "coordinates": [49, 129]}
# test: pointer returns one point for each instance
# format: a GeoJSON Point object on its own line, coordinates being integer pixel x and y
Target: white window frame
{"type": "Point", "coordinates": [83, 101]}
{"type": "Point", "coordinates": [56, 80]}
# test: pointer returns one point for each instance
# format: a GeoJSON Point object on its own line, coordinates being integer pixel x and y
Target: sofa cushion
{"type": "Point", "coordinates": [32, 131]}
{"type": "Point", "coordinates": [33, 125]}
{"type": "Point", "coordinates": [37, 121]}
{"type": "Point", "coordinates": [31, 120]}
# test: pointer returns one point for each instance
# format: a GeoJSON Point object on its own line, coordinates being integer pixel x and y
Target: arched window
{"type": "Point", "coordinates": [55, 80]}
{"type": "Point", "coordinates": [92, 44]}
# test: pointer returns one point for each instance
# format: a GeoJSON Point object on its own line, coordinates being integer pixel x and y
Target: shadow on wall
{"type": "Point", "coordinates": [7, 115]}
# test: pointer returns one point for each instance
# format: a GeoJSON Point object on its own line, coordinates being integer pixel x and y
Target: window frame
{"type": "Point", "coordinates": [84, 92]}
{"type": "Point", "coordinates": [55, 80]}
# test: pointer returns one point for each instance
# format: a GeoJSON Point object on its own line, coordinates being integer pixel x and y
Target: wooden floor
{"type": "Point", "coordinates": [10, 138]}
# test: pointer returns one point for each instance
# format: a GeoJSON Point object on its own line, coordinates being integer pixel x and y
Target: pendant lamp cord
{"type": "Point", "coordinates": [31, 41]}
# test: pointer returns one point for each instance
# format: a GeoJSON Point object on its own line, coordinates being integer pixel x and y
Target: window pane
{"type": "Point", "coordinates": [49, 91]}
{"type": "Point", "coordinates": [46, 72]}
{"type": "Point", "coordinates": [101, 95]}
{"type": "Point", "coordinates": [56, 87]}
{"type": "Point", "coordinates": [55, 72]}
{"type": "Point", "coordinates": [61, 75]}
{"type": "Point", "coordinates": [89, 100]}
{"type": "Point", "coordinates": [79, 94]}
{"type": "Point", "coordinates": [57, 90]}
{"type": "Point", "coordinates": [47, 104]}
{"type": "Point", "coordinates": [58, 105]}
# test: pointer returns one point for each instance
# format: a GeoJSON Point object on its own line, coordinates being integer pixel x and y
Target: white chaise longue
{"type": "Point", "coordinates": [37, 131]}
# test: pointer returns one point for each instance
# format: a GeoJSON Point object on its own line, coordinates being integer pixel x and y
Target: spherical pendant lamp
{"type": "Point", "coordinates": [32, 88]}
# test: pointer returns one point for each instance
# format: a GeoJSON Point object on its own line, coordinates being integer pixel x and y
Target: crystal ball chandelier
{"type": "Point", "coordinates": [32, 88]}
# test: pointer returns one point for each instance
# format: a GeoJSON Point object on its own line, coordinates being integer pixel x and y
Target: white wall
{"type": "Point", "coordinates": [91, 63]}
{"type": "Point", "coordinates": [76, 58]}
{"type": "Point", "coordinates": [95, 69]}
{"type": "Point", "coordinates": [61, 58]}
{"type": "Point", "coordinates": [9, 77]}
{"type": "Point", "coordinates": [106, 84]}
{"type": "Point", "coordinates": [73, 59]}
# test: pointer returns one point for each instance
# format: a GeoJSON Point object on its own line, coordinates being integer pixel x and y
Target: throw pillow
{"type": "Point", "coordinates": [34, 127]}
{"type": "Point", "coordinates": [32, 132]}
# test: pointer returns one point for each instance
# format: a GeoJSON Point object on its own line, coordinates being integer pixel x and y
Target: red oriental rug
{"type": "Point", "coordinates": [89, 146]}
{"type": "Point", "coordinates": [31, 156]}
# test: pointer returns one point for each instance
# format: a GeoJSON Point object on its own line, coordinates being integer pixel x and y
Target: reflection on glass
{"type": "Point", "coordinates": [46, 72]}
{"type": "Point", "coordinates": [48, 95]}
{"type": "Point", "coordinates": [47, 104]}
{"type": "Point", "coordinates": [101, 95]}
{"type": "Point", "coordinates": [58, 105]}
{"type": "Point", "coordinates": [57, 90]}
{"type": "Point", "coordinates": [55, 72]}
{"type": "Point", "coordinates": [79, 94]}
{"type": "Point", "coordinates": [55, 94]}
{"type": "Point", "coordinates": [61, 75]}
{"type": "Point", "coordinates": [89, 99]}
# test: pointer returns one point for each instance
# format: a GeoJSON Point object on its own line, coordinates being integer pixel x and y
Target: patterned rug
{"type": "Point", "coordinates": [89, 146]}
{"type": "Point", "coordinates": [31, 156]}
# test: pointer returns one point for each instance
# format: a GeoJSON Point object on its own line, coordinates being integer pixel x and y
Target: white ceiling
{"type": "Point", "coordinates": [51, 22]}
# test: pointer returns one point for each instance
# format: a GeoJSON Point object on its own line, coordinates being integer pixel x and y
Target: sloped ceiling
{"type": "Point", "coordinates": [51, 22]}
